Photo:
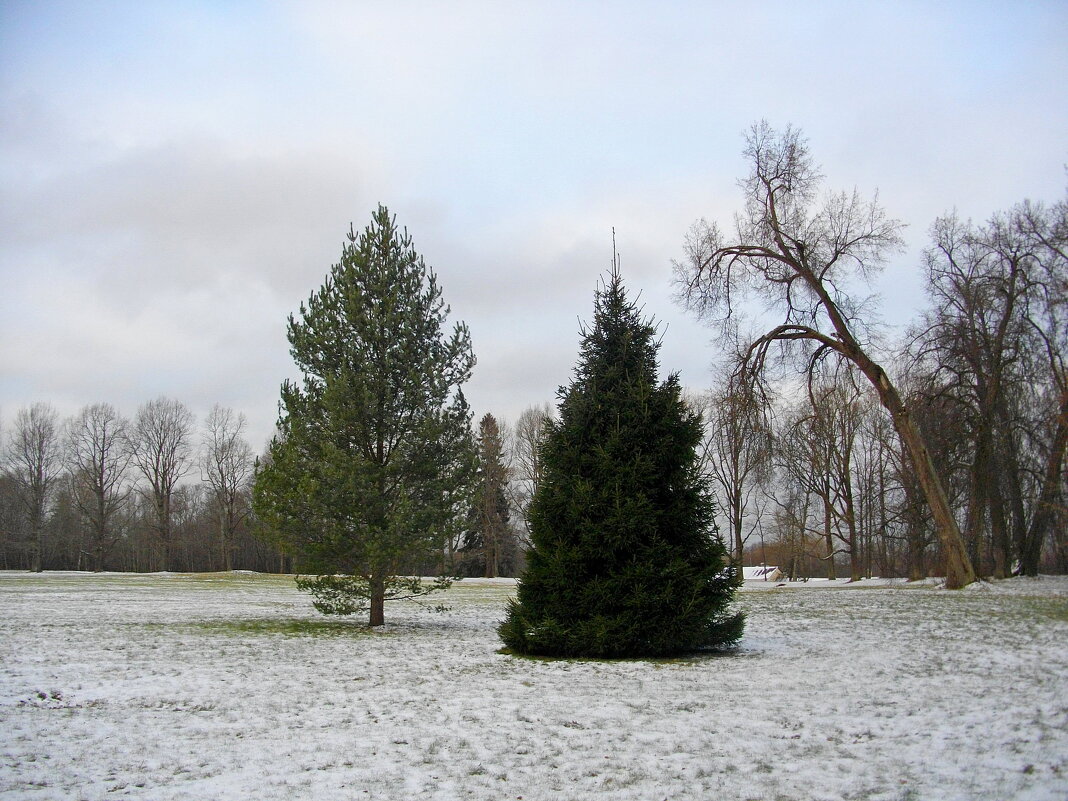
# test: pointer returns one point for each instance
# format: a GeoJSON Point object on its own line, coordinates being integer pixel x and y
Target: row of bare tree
{"type": "Point", "coordinates": [98, 491]}
{"type": "Point", "coordinates": [101, 492]}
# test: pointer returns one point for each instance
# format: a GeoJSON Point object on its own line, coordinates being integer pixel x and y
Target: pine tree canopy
{"type": "Point", "coordinates": [371, 461]}
{"type": "Point", "coordinates": [624, 559]}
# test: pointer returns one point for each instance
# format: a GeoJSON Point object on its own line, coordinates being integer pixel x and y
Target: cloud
{"type": "Point", "coordinates": [174, 182]}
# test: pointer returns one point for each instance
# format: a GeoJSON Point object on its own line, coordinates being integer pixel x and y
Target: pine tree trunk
{"type": "Point", "coordinates": [378, 601]}
{"type": "Point", "coordinates": [491, 549]}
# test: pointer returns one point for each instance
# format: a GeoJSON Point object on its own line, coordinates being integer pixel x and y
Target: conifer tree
{"type": "Point", "coordinates": [489, 546]}
{"type": "Point", "coordinates": [624, 559]}
{"type": "Point", "coordinates": [359, 481]}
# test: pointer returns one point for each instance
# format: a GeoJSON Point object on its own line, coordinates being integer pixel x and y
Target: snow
{"type": "Point", "coordinates": [229, 686]}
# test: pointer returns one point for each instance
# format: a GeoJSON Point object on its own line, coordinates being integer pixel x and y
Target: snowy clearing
{"type": "Point", "coordinates": [230, 686]}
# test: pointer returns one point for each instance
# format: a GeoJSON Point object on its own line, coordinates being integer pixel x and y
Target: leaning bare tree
{"type": "Point", "coordinates": [226, 465]}
{"type": "Point", "coordinates": [161, 448]}
{"type": "Point", "coordinates": [35, 462]}
{"type": "Point", "coordinates": [799, 254]}
{"type": "Point", "coordinates": [98, 456]}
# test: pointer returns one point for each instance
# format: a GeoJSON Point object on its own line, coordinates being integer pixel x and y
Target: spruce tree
{"type": "Point", "coordinates": [362, 480]}
{"type": "Point", "coordinates": [624, 559]}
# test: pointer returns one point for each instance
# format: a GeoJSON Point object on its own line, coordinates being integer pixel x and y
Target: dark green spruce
{"type": "Point", "coordinates": [372, 463]}
{"type": "Point", "coordinates": [624, 561]}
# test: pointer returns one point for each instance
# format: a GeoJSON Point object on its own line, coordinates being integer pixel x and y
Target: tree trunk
{"type": "Point", "coordinates": [959, 570]}
{"type": "Point", "coordinates": [975, 513]}
{"type": "Point", "coordinates": [736, 514]}
{"type": "Point", "coordinates": [855, 567]}
{"type": "Point", "coordinates": [1045, 509]}
{"type": "Point", "coordinates": [492, 549]}
{"type": "Point", "coordinates": [224, 536]}
{"type": "Point", "coordinates": [378, 601]}
{"type": "Point", "coordinates": [37, 548]}
{"type": "Point", "coordinates": [999, 534]}
{"type": "Point", "coordinates": [828, 535]}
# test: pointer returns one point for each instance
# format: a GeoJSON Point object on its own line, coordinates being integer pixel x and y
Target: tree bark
{"type": "Point", "coordinates": [38, 546]}
{"type": "Point", "coordinates": [828, 536]}
{"type": "Point", "coordinates": [1045, 509]}
{"type": "Point", "coordinates": [378, 601]}
{"type": "Point", "coordinates": [959, 570]}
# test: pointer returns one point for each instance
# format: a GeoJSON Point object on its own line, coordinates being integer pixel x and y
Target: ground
{"type": "Point", "coordinates": [230, 686]}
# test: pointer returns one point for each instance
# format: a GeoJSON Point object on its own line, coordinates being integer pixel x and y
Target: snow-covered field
{"type": "Point", "coordinates": [232, 687]}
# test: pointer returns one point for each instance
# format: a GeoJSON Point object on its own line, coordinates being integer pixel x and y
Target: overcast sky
{"type": "Point", "coordinates": [175, 178]}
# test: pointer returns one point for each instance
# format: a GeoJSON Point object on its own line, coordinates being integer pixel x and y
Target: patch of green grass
{"type": "Point", "coordinates": [228, 580]}
{"type": "Point", "coordinates": [284, 627]}
{"type": "Point", "coordinates": [1056, 608]}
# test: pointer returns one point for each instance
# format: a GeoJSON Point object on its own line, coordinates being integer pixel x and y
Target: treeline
{"type": "Point", "coordinates": [155, 492]}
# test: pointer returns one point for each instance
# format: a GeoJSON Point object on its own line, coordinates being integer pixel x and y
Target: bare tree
{"type": "Point", "coordinates": [227, 464]}
{"type": "Point", "coordinates": [1047, 231]}
{"type": "Point", "coordinates": [737, 454]}
{"type": "Point", "coordinates": [99, 458]}
{"type": "Point", "coordinates": [800, 257]}
{"type": "Point", "coordinates": [35, 463]}
{"type": "Point", "coordinates": [995, 344]}
{"type": "Point", "coordinates": [809, 457]}
{"type": "Point", "coordinates": [527, 439]}
{"type": "Point", "coordinates": [880, 498]}
{"type": "Point", "coordinates": [161, 449]}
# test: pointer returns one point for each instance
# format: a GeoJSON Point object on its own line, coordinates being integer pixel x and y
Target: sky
{"type": "Point", "coordinates": [176, 178]}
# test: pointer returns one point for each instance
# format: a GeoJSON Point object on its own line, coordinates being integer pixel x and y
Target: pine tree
{"type": "Point", "coordinates": [493, 517]}
{"type": "Point", "coordinates": [358, 482]}
{"type": "Point", "coordinates": [624, 559]}
{"type": "Point", "coordinates": [490, 548]}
